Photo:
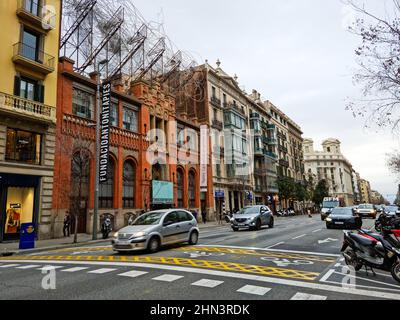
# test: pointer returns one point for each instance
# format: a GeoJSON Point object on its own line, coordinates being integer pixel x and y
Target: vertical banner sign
{"type": "Point", "coordinates": [105, 131]}
{"type": "Point", "coordinates": [203, 157]}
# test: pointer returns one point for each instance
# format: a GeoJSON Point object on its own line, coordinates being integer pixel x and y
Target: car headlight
{"type": "Point", "coordinates": [115, 235]}
{"type": "Point", "coordinates": [252, 219]}
{"type": "Point", "coordinates": [372, 211]}
{"type": "Point", "coordinates": [139, 234]}
{"type": "Point", "coordinates": [328, 219]}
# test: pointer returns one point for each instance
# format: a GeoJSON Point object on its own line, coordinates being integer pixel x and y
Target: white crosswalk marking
{"type": "Point", "coordinates": [258, 291]}
{"type": "Point", "coordinates": [306, 296]}
{"type": "Point", "coordinates": [168, 278]}
{"type": "Point", "coordinates": [9, 265]}
{"type": "Point", "coordinates": [28, 267]}
{"type": "Point", "coordinates": [207, 283]}
{"type": "Point", "coordinates": [50, 268]}
{"type": "Point", "coordinates": [133, 274]}
{"type": "Point", "coordinates": [102, 271]}
{"type": "Point", "coordinates": [75, 269]}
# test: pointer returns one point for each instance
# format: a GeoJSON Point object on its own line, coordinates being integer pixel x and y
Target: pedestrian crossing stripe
{"type": "Point", "coordinates": [202, 264]}
{"type": "Point", "coordinates": [272, 254]}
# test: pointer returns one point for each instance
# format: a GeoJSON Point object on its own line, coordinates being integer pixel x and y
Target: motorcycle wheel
{"type": "Point", "coordinates": [396, 271]}
{"type": "Point", "coordinates": [353, 263]}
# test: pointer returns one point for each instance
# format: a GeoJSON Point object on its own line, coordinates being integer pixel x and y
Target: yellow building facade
{"type": "Point", "coordinates": [29, 39]}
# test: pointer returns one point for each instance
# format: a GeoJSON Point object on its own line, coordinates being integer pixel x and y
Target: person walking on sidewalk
{"type": "Point", "coordinates": [204, 215]}
{"type": "Point", "coordinates": [67, 224]}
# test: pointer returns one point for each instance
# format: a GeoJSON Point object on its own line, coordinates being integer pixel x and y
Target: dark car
{"type": "Point", "coordinates": [344, 218]}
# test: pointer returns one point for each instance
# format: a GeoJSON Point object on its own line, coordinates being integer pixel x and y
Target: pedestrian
{"type": "Point", "coordinates": [67, 224]}
{"type": "Point", "coordinates": [204, 215]}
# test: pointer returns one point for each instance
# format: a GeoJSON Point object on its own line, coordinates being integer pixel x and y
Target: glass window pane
{"type": "Point", "coordinates": [83, 104]}
{"type": "Point", "coordinates": [23, 146]}
{"type": "Point", "coordinates": [29, 45]}
{"type": "Point", "coordinates": [114, 115]}
{"type": "Point", "coordinates": [130, 120]}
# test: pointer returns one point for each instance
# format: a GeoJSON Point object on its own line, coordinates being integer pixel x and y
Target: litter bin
{"type": "Point", "coordinates": [27, 236]}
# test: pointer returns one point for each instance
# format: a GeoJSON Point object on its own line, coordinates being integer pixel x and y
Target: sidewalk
{"type": "Point", "coordinates": [83, 239]}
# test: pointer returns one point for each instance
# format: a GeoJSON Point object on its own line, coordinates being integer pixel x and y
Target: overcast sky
{"type": "Point", "coordinates": [297, 53]}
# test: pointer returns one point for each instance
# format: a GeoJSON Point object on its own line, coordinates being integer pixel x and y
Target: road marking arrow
{"type": "Point", "coordinates": [327, 240]}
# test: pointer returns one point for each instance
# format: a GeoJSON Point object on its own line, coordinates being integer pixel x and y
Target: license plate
{"type": "Point", "coordinates": [123, 243]}
{"type": "Point", "coordinates": [241, 224]}
{"type": "Point", "coordinates": [339, 222]}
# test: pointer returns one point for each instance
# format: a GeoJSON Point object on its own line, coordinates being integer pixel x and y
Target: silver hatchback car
{"type": "Point", "coordinates": [252, 217]}
{"type": "Point", "coordinates": [155, 229]}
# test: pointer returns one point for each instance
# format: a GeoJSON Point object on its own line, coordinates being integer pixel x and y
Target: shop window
{"type": "Point", "coordinates": [23, 146]}
{"type": "Point", "coordinates": [129, 177]}
{"type": "Point", "coordinates": [19, 209]}
{"type": "Point", "coordinates": [106, 192]}
{"type": "Point", "coordinates": [130, 119]}
{"type": "Point", "coordinates": [83, 104]}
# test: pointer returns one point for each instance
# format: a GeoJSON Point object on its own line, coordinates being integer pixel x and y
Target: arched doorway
{"type": "Point", "coordinates": [192, 189]}
{"type": "Point", "coordinates": [128, 185]}
{"type": "Point", "coordinates": [106, 191]}
{"type": "Point", "coordinates": [180, 185]}
{"type": "Point", "coordinates": [79, 194]}
{"type": "Point", "coordinates": [158, 172]}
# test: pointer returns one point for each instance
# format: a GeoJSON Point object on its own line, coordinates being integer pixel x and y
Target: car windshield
{"type": "Point", "coordinates": [365, 206]}
{"type": "Point", "coordinates": [150, 218]}
{"type": "Point", "coordinates": [392, 209]}
{"type": "Point", "coordinates": [250, 210]}
{"type": "Point", "coordinates": [342, 211]}
{"type": "Point", "coordinates": [330, 204]}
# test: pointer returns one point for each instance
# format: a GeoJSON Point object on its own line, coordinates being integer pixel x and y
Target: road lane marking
{"type": "Point", "coordinates": [261, 253]}
{"type": "Point", "coordinates": [207, 283]}
{"type": "Point", "coordinates": [275, 250]}
{"type": "Point", "coordinates": [286, 282]}
{"type": "Point", "coordinates": [302, 236]}
{"type": "Point", "coordinates": [102, 271]}
{"type": "Point", "coordinates": [306, 296]}
{"type": "Point", "coordinates": [133, 274]}
{"type": "Point", "coordinates": [369, 280]}
{"type": "Point", "coordinates": [47, 268]}
{"type": "Point", "coordinates": [204, 264]}
{"type": "Point", "coordinates": [9, 265]}
{"type": "Point", "coordinates": [28, 267]}
{"type": "Point", "coordinates": [168, 278]}
{"type": "Point", "coordinates": [318, 230]}
{"type": "Point", "coordinates": [275, 245]}
{"type": "Point", "coordinates": [327, 275]}
{"type": "Point", "coordinates": [76, 269]}
{"type": "Point", "coordinates": [258, 291]}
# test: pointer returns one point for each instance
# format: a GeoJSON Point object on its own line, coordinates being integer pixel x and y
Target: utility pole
{"type": "Point", "coordinates": [97, 150]}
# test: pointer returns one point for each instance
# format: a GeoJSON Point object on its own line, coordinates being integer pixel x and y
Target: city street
{"type": "Point", "coordinates": [299, 259]}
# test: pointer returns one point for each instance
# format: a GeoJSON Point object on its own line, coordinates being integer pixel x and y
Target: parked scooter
{"type": "Point", "coordinates": [106, 228]}
{"type": "Point", "coordinates": [374, 251]}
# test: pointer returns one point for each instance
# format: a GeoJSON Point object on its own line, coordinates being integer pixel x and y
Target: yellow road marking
{"type": "Point", "coordinates": [219, 265]}
{"type": "Point", "coordinates": [259, 253]}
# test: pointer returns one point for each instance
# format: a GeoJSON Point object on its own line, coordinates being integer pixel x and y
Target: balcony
{"type": "Point", "coordinates": [283, 149]}
{"type": "Point", "coordinates": [217, 124]}
{"type": "Point", "coordinates": [215, 101]}
{"type": "Point", "coordinates": [33, 59]}
{"type": "Point", "coordinates": [254, 116]}
{"type": "Point", "coordinates": [258, 152]}
{"type": "Point", "coordinates": [32, 12]}
{"type": "Point", "coordinates": [284, 163]}
{"type": "Point", "coordinates": [270, 154]}
{"type": "Point", "coordinates": [23, 108]}
{"type": "Point", "coordinates": [235, 107]}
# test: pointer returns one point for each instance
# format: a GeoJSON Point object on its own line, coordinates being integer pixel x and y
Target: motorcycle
{"type": "Point", "coordinates": [386, 220]}
{"type": "Point", "coordinates": [373, 250]}
{"type": "Point", "coordinates": [106, 228]}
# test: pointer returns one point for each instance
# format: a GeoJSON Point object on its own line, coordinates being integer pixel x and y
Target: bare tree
{"type": "Point", "coordinates": [378, 56]}
{"type": "Point", "coordinates": [393, 163]}
{"type": "Point", "coordinates": [78, 148]}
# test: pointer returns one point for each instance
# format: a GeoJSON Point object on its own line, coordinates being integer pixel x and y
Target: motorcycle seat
{"type": "Point", "coordinates": [365, 241]}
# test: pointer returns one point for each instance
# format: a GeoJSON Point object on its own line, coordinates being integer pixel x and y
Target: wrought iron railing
{"type": "Point", "coordinates": [31, 53]}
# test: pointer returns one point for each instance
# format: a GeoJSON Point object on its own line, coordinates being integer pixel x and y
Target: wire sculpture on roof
{"type": "Point", "coordinates": [98, 30]}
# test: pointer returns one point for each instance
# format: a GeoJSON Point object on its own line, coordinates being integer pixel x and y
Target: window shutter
{"type": "Point", "coordinates": [17, 86]}
{"type": "Point", "coordinates": [39, 93]}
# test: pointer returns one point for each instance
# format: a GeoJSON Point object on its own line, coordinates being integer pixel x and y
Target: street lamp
{"type": "Point", "coordinates": [96, 174]}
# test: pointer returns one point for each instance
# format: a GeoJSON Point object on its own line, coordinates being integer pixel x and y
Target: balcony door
{"type": "Point", "coordinates": [32, 6]}
{"type": "Point", "coordinates": [30, 45]}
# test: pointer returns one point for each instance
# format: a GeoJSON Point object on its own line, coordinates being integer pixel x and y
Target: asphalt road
{"type": "Point", "coordinates": [298, 259]}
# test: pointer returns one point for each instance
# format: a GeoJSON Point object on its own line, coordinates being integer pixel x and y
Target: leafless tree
{"type": "Point", "coordinates": [393, 163]}
{"type": "Point", "coordinates": [378, 57]}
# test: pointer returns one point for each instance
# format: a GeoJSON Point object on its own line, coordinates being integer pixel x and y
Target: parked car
{"type": "Point", "coordinates": [367, 211]}
{"type": "Point", "coordinates": [252, 217]}
{"type": "Point", "coordinates": [344, 218]}
{"type": "Point", "coordinates": [155, 229]}
{"type": "Point", "coordinates": [391, 210]}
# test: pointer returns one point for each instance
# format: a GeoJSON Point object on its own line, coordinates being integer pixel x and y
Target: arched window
{"type": "Point", "coordinates": [192, 189]}
{"type": "Point", "coordinates": [179, 182]}
{"type": "Point", "coordinates": [106, 191]}
{"type": "Point", "coordinates": [129, 175]}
